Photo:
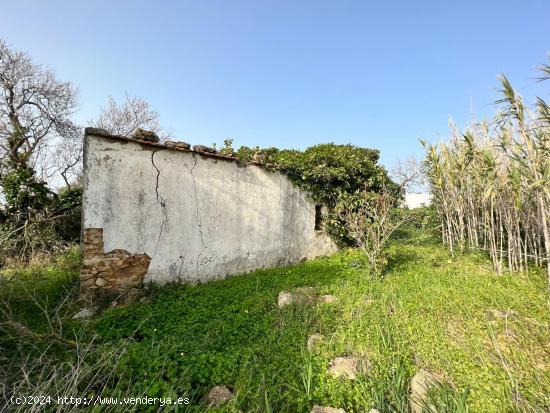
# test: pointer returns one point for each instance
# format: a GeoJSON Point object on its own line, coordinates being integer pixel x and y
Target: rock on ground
{"type": "Point", "coordinates": [324, 409]}
{"type": "Point", "coordinates": [327, 299]}
{"type": "Point", "coordinates": [420, 384]}
{"type": "Point", "coordinates": [145, 300]}
{"type": "Point", "coordinates": [218, 395]}
{"type": "Point", "coordinates": [495, 313]}
{"type": "Point", "coordinates": [100, 282]}
{"type": "Point", "coordinates": [314, 341]}
{"type": "Point", "coordinates": [303, 295]}
{"type": "Point", "coordinates": [86, 313]}
{"type": "Point", "coordinates": [347, 367]}
{"type": "Point", "coordinates": [131, 296]}
{"type": "Point", "coordinates": [305, 290]}
{"type": "Point", "coordinates": [285, 298]}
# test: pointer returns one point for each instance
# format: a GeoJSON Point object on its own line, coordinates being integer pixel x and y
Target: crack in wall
{"type": "Point", "coordinates": [197, 216]}
{"type": "Point", "coordinates": [161, 201]}
{"type": "Point", "coordinates": [234, 199]}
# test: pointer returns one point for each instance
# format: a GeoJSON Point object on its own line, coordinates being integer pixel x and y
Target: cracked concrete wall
{"type": "Point", "coordinates": [197, 217]}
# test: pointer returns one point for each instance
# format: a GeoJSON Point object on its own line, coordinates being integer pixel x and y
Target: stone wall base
{"type": "Point", "coordinates": [114, 276]}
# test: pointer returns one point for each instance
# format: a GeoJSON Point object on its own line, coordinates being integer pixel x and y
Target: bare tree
{"type": "Point", "coordinates": [35, 109]}
{"type": "Point", "coordinates": [35, 125]}
{"type": "Point", "coordinates": [370, 223]}
{"type": "Point", "coordinates": [69, 158]}
{"type": "Point", "coordinates": [124, 118]}
{"type": "Point", "coordinates": [409, 174]}
{"type": "Point", "coordinates": [119, 119]}
{"type": "Point", "coordinates": [372, 217]}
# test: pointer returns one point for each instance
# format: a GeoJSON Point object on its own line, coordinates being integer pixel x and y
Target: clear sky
{"type": "Point", "coordinates": [291, 74]}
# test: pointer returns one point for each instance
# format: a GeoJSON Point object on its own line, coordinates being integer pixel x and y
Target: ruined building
{"type": "Point", "coordinates": [155, 212]}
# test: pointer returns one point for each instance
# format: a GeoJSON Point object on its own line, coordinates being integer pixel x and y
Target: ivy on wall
{"type": "Point", "coordinates": [330, 173]}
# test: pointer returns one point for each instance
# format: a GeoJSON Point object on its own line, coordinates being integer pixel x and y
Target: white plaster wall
{"type": "Point", "coordinates": [197, 217]}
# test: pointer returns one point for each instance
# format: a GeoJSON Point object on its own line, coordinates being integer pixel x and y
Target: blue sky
{"type": "Point", "coordinates": [290, 73]}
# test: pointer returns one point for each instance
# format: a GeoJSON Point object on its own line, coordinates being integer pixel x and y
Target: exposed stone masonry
{"type": "Point", "coordinates": [108, 276]}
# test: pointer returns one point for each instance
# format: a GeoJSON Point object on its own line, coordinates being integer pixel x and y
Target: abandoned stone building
{"type": "Point", "coordinates": [162, 212]}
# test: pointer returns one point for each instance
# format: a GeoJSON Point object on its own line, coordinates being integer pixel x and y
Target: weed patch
{"type": "Point", "coordinates": [443, 318]}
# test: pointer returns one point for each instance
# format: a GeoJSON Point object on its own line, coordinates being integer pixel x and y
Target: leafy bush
{"type": "Point", "coordinates": [370, 219]}
{"type": "Point", "coordinates": [69, 206]}
{"type": "Point", "coordinates": [332, 174]}
{"type": "Point", "coordinates": [35, 220]}
{"type": "Point", "coordinates": [24, 194]}
{"type": "Point", "coordinates": [325, 170]}
{"type": "Point", "coordinates": [423, 218]}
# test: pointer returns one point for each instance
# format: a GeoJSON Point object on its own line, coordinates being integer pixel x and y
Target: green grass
{"type": "Point", "coordinates": [430, 311]}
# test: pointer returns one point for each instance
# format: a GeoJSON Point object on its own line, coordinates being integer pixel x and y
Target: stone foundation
{"type": "Point", "coordinates": [113, 276]}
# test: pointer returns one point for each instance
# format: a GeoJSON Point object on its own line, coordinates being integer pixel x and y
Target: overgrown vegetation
{"type": "Point", "coordinates": [41, 156]}
{"type": "Point", "coordinates": [449, 314]}
{"type": "Point", "coordinates": [35, 220]}
{"type": "Point", "coordinates": [35, 114]}
{"type": "Point", "coordinates": [370, 219]}
{"type": "Point", "coordinates": [491, 186]}
{"type": "Point", "coordinates": [334, 175]}
{"type": "Point", "coordinates": [326, 170]}
{"type": "Point", "coordinates": [39, 143]}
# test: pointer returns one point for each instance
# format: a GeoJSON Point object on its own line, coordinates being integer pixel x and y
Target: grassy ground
{"type": "Point", "coordinates": [431, 311]}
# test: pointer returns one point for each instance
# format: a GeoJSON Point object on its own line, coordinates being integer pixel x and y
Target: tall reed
{"type": "Point", "coordinates": [491, 184]}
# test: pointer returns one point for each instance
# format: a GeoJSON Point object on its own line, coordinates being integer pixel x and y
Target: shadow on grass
{"type": "Point", "coordinates": [415, 236]}
{"type": "Point", "coordinates": [400, 258]}
{"type": "Point", "coordinates": [225, 331]}
{"type": "Point", "coordinates": [195, 308]}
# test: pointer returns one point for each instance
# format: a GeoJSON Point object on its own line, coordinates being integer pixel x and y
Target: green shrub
{"type": "Point", "coordinates": [332, 174]}
{"type": "Point", "coordinates": [24, 194]}
{"type": "Point", "coordinates": [68, 206]}
{"type": "Point", "coordinates": [34, 220]}
{"type": "Point", "coordinates": [325, 170]}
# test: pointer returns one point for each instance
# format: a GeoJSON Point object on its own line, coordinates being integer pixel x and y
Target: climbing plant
{"type": "Point", "coordinates": [331, 174]}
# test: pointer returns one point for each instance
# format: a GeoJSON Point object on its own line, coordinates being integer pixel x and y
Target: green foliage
{"type": "Point", "coordinates": [69, 198]}
{"type": "Point", "coordinates": [35, 220]}
{"type": "Point", "coordinates": [332, 174]}
{"type": "Point", "coordinates": [390, 388]}
{"type": "Point", "coordinates": [430, 311]}
{"type": "Point", "coordinates": [68, 206]}
{"type": "Point", "coordinates": [30, 297]}
{"type": "Point", "coordinates": [443, 398]}
{"type": "Point", "coordinates": [368, 201]}
{"type": "Point", "coordinates": [306, 374]}
{"type": "Point", "coordinates": [227, 148]}
{"type": "Point", "coordinates": [326, 170]}
{"type": "Point", "coordinates": [246, 153]}
{"type": "Point", "coordinates": [424, 218]}
{"type": "Point", "coordinates": [24, 193]}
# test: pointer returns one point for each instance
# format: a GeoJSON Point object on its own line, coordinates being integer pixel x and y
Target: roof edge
{"type": "Point", "coordinates": [105, 134]}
